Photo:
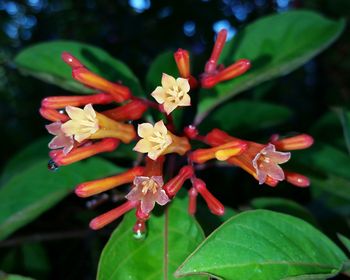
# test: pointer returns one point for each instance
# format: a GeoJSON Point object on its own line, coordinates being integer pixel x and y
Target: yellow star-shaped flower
{"type": "Point", "coordinates": [172, 93]}
{"type": "Point", "coordinates": [155, 139]}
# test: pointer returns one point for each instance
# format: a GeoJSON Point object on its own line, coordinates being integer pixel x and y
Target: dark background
{"type": "Point", "coordinates": [59, 245]}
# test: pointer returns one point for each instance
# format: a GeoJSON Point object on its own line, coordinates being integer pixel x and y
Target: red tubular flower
{"type": "Point", "coordinates": [130, 111]}
{"type": "Point", "coordinates": [225, 151]}
{"type": "Point", "coordinates": [58, 102]}
{"type": "Point", "coordinates": [97, 186]}
{"type": "Point", "coordinates": [175, 184]}
{"type": "Point", "coordinates": [299, 142]}
{"type": "Point", "coordinates": [192, 201]}
{"type": "Point", "coordinates": [83, 152]}
{"type": "Point", "coordinates": [297, 179]}
{"type": "Point", "coordinates": [210, 66]}
{"type": "Point", "coordinates": [53, 115]}
{"type": "Point", "coordinates": [119, 92]}
{"type": "Point", "coordinates": [214, 205]}
{"type": "Point", "coordinates": [232, 71]}
{"type": "Point", "coordinates": [182, 59]}
{"type": "Point", "coordinates": [110, 216]}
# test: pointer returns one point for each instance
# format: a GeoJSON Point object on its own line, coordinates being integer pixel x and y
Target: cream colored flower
{"type": "Point", "coordinates": [155, 139]}
{"type": "Point", "coordinates": [172, 93]}
{"type": "Point", "coordinates": [83, 122]}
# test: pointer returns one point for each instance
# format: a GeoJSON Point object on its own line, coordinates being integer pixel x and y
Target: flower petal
{"type": "Point", "coordinates": [183, 84]}
{"type": "Point", "coordinates": [158, 180]}
{"type": "Point", "coordinates": [135, 194]}
{"type": "Point", "coordinates": [75, 113]}
{"type": "Point", "coordinates": [185, 101]}
{"type": "Point", "coordinates": [169, 107]}
{"type": "Point", "coordinates": [160, 127]}
{"type": "Point", "coordinates": [154, 154]}
{"type": "Point", "coordinates": [54, 128]}
{"type": "Point", "coordinates": [90, 113]}
{"type": "Point", "coordinates": [162, 197]}
{"type": "Point", "coordinates": [143, 146]}
{"type": "Point", "coordinates": [147, 203]}
{"type": "Point", "coordinates": [168, 81]}
{"type": "Point", "coordinates": [145, 130]}
{"type": "Point", "coordinates": [139, 179]}
{"type": "Point", "coordinates": [159, 95]}
{"type": "Point", "coordinates": [273, 170]}
{"type": "Point", "coordinates": [279, 157]}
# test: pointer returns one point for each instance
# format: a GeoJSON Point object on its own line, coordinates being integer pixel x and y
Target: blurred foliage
{"type": "Point", "coordinates": [313, 99]}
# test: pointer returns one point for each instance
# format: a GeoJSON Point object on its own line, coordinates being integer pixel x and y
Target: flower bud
{"type": "Point", "coordinates": [182, 60]}
{"type": "Point", "coordinates": [110, 216]}
{"type": "Point", "coordinates": [192, 201]}
{"type": "Point", "coordinates": [299, 142]}
{"type": "Point", "coordinates": [214, 205]}
{"type": "Point", "coordinates": [175, 184]}
{"type": "Point", "coordinates": [130, 111]}
{"type": "Point", "coordinates": [297, 179]}
{"type": "Point", "coordinates": [210, 66]}
{"type": "Point", "coordinates": [58, 102]}
{"type": "Point", "coordinates": [53, 115]}
{"type": "Point", "coordinates": [97, 186]}
{"type": "Point", "coordinates": [83, 152]}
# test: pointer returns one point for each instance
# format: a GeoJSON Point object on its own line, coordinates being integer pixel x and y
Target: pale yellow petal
{"type": "Point", "coordinates": [68, 128]}
{"type": "Point", "coordinates": [159, 126]}
{"type": "Point", "coordinates": [143, 146]}
{"type": "Point", "coordinates": [159, 95]}
{"type": "Point", "coordinates": [169, 107]}
{"type": "Point", "coordinates": [154, 154]}
{"type": "Point", "coordinates": [82, 136]}
{"type": "Point", "coordinates": [90, 112]}
{"type": "Point", "coordinates": [183, 84]}
{"type": "Point", "coordinates": [145, 130]}
{"type": "Point", "coordinates": [185, 101]}
{"type": "Point", "coordinates": [75, 113]}
{"type": "Point", "coordinates": [168, 81]}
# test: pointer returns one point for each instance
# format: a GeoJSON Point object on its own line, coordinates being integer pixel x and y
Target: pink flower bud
{"type": "Point", "coordinates": [71, 60]}
{"type": "Point", "coordinates": [192, 202]}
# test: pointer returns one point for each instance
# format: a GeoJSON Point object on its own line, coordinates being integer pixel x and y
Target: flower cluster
{"type": "Point", "coordinates": [81, 132]}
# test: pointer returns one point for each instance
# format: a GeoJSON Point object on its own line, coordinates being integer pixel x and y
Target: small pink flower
{"type": "Point", "coordinates": [60, 140]}
{"type": "Point", "coordinates": [149, 191]}
{"type": "Point", "coordinates": [266, 163]}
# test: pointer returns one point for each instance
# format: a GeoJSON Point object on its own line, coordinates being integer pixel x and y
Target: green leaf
{"type": "Point", "coordinates": [171, 237]}
{"type": "Point", "coordinates": [261, 245]}
{"type": "Point", "coordinates": [285, 206]}
{"type": "Point", "coordinates": [26, 157]}
{"type": "Point", "coordinates": [276, 45]}
{"type": "Point", "coordinates": [4, 276]}
{"type": "Point", "coordinates": [345, 241]}
{"type": "Point", "coordinates": [163, 63]}
{"type": "Point", "coordinates": [36, 189]}
{"type": "Point", "coordinates": [261, 115]}
{"type": "Point", "coordinates": [43, 61]}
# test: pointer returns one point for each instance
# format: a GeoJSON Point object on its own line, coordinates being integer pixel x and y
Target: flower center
{"type": "Point", "coordinates": [149, 185]}
{"type": "Point", "coordinates": [174, 94]}
{"type": "Point", "coordinates": [159, 140]}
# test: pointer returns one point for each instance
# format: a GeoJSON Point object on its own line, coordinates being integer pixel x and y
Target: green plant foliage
{"type": "Point", "coordinates": [275, 45]}
{"type": "Point", "coordinates": [233, 117]}
{"type": "Point", "coordinates": [283, 205]}
{"type": "Point", "coordinates": [23, 159]}
{"type": "Point", "coordinates": [4, 276]}
{"type": "Point", "coordinates": [36, 189]}
{"type": "Point", "coordinates": [171, 237]}
{"type": "Point", "coordinates": [262, 244]}
{"type": "Point", "coordinates": [345, 241]}
{"type": "Point", "coordinates": [44, 62]}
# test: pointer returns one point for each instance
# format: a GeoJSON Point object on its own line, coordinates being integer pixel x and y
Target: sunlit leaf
{"type": "Point", "coordinates": [36, 189]}
{"type": "Point", "coordinates": [275, 45]}
{"type": "Point", "coordinates": [261, 245]}
{"type": "Point", "coordinates": [171, 237]}
{"type": "Point", "coordinates": [44, 62]}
